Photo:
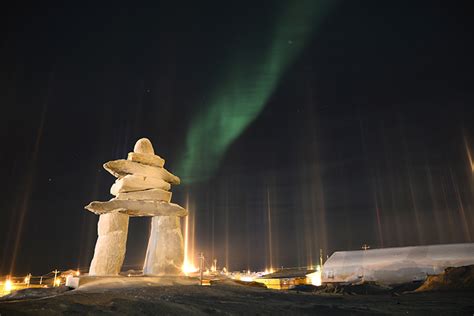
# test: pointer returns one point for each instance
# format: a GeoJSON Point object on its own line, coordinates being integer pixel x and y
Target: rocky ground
{"type": "Point", "coordinates": [228, 297]}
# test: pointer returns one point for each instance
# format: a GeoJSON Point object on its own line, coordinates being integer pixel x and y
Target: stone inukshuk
{"type": "Point", "coordinates": [141, 189]}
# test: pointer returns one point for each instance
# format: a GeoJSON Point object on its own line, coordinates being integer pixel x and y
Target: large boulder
{"type": "Point", "coordinates": [132, 183]}
{"type": "Point", "coordinates": [122, 167]}
{"type": "Point", "coordinates": [144, 146]}
{"type": "Point", "coordinates": [152, 160]}
{"type": "Point", "coordinates": [146, 195]}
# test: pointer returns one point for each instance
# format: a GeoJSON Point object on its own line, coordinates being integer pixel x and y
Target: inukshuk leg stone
{"type": "Point", "coordinates": [165, 253]}
{"type": "Point", "coordinates": [111, 245]}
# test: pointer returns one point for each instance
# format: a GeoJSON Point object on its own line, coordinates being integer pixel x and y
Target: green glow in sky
{"type": "Point", "coordinates": [249, 79]}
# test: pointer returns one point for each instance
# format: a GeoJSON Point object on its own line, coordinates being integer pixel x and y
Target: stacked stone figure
{"type": "Point", "coordinates": [141, 189]}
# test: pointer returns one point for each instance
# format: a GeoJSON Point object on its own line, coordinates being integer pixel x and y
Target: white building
{"type": "Point", "coordinates": [395, 265]}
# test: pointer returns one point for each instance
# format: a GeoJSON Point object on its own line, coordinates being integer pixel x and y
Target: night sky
{"type": "Point", "coordinates": [321, 124]}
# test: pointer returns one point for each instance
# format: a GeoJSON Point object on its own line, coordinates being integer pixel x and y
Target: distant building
{"type": "Point", "coordinates": [395, 265]}
{"type": "Point", "coordinates": [285, 279]}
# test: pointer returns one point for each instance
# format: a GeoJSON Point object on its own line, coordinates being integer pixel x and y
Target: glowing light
{"type": "Point", "coordinates": [57, 282]}
{"type": "Point", "coordinates": [188, 262]}
{"type": "Point", "coordinates": [269, 219]}
{"type": "Point", "coordinates": [315, 277]}
{"type": "Point", "coordinates": [8, 286]}
{"type": "Point", "coordinates": [468, 152]}
{"type": "Point", "coordinates": [246, 278]}
{"type": "Point", "coordinates": [189, 268]}
{"type": "Point", "coordinates": [78, 273]}
{"type": "Point", "coordinates": [268, 271]}
{"type": "Point", "coordinates": [186, 234]}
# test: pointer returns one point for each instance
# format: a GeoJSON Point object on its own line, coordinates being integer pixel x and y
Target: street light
{"type": "Point", "coordinates": [8, 285]}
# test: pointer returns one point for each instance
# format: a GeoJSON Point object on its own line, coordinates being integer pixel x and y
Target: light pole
{"type": "Point", "coordinates": [201, 266]}
{"type": "Point", "coordinates": [365, 247]}
{"type": "Point", "coordinates": [55, 276]}
{"type": "Point", "coordinates": [27, 280]}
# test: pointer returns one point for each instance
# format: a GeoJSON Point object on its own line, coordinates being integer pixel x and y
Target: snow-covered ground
{"type": "Point", "coordinates": [228, 297]}
{"type": "Point", "coordinates": [90, 284]}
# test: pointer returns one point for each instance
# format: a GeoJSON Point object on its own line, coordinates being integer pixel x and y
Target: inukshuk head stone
{"type": "Point", "coordinates": [141, 189]}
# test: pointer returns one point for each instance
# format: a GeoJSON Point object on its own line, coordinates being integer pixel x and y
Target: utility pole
{"type": "Point", "coordinates": [201, 266]}
{"type": "Point", "coordinates": [365, 247]}
{"type": "Point", "coordinates": [320, 258]}
{"type": "Point", "coordinates": [55, 276]}
{"type": "Point", "coordinates": [41, 280]}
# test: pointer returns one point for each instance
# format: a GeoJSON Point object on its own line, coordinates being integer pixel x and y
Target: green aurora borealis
{"type": "Point", "coordinates": [250, 76]}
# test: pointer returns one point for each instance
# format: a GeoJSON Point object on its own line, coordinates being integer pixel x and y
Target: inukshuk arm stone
{"type": "Point", "coordinates": [137, 208]}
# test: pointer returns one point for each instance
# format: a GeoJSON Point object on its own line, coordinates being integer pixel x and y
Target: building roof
{"type": "Point", "coordinates": [287, 274]}
{"type": "Point", "coordinates": [396, 265]}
